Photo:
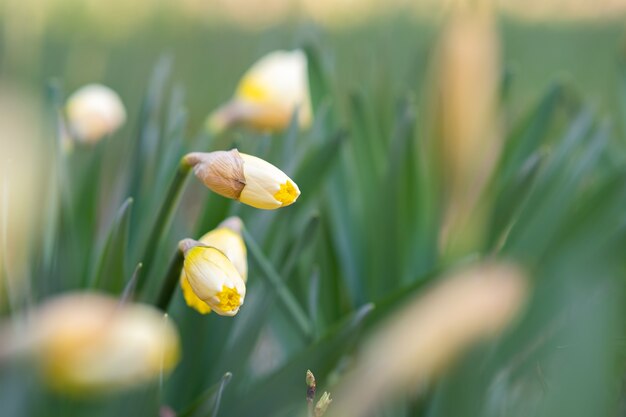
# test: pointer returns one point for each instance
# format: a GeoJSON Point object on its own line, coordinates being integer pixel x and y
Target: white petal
{"type": "Point", "coordinates": [263, 180]}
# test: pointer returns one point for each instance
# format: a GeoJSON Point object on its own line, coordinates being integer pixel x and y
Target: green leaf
{"type": "Point", "coordinates": [529, 136]}
{"type": "Point", "coordinates": [287, 299]}
{"type": "Point", "coordinates": [110, 273]}
{"type": "Point", "coordinates": [318, 78]}
{"type": "Point", "coordinates": [317, 164]}
{"type": "Point", "coordinates": [322, 357]}
{"type": "Point", "coordinates": [208, 403]}
{"type": "Point", "coordinates": [307, 237]}
{"type": "Point", "coordinates": [556, 188]}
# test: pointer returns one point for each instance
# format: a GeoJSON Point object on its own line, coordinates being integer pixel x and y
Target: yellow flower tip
{"type": "Point", "coordinates": [287, 194]}
{"type": "Point", "coordinates": [214, 280]}
{"type": "Point", "coordinates": [267, 187]}
{"type": "Point", "coordinates": [229, 299]}
{"type": "Point", "coordinates": [249, 89]}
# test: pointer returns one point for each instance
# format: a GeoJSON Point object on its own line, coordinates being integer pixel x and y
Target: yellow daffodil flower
{"type": "Point", "coordinates": [93, 112]}
{"type": "Point", "coordinates": [243, 177]}
{"type": "Point", "coordinates": [226, 238]}
{"type": "Point", "coordinates": [213, 278]}
{"type": "Point", "coordinates": [268, 95]}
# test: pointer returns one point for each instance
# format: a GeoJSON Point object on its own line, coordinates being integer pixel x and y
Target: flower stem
{"type": "Point", "coordinates": [171, 280]}
{"type": "Point", "coordinates": [163, 220]}
{"type": "Point", "coordinates": [287, 299]}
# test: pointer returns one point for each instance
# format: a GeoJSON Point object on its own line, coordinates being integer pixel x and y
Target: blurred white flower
{"type": "Point", "coordinates": [90, 343]}
{"type": "Point", "coordinates": [268, 95]}
{"type": "Point", "coordinates": [94, 111]}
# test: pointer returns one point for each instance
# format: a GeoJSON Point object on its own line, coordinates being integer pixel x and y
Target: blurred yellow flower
{"type": "Point", "coordinates": [268, 95]}
{"type": "Point", "coordinates": [89, 343]}
{"type": "Point", "coordinates": [93, 112]}
{"type": "Point", "coordinates": [419, 341]}
{"type": "Point", "coordinates": [226, 238]}
{"type": "Point", "coordinates": [466, 124]}
{"type": "Point", "coordinates": [213, 279]}
{"type": "Point", "coordinates": [243, 177]}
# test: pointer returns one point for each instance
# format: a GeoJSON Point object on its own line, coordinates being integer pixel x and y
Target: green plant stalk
{"type": "Point", "coordinates": [4, 274]}
{"type": "Point", "coordinates": [171, 281]}
{"type": "Point", "coordinates": [289, 302]}
{"type": "Point", "coordinates": [163, 220]}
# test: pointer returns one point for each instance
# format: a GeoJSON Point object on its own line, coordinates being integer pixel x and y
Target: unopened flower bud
{"type": "Point", "coordinates": [88, 342]}
{"type": "Point", "coordinates": [226, 238]}
{"type": "Point", "coordinates": [212, 277]}
{"type": "Point", "coordinates": [93, 112]}
{"type": "Point", "coordinates": [243, 177]}
{"type": "Point", "coordinates": [268, 94]}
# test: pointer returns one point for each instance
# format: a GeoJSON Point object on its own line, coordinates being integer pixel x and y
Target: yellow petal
{"type": "Point", "coordinates": [232, 245]}
{"type": "Point", "coordinates": [191, 298]}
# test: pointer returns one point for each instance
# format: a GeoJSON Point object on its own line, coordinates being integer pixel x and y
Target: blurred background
{"type": "Point", "coordinates": [213, 42]}
{"type": "Point", "coordinates": [451, 140]}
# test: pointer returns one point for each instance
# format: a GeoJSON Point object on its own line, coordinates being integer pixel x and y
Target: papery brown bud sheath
{"type": "Point", "coordinates": [221, 171]}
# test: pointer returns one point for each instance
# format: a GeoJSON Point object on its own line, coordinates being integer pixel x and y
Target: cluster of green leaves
{"type": "Point", "coordinates": [360, 241]}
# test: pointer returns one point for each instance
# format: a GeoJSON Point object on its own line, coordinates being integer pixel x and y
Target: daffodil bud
{"type": "Point", "coordinates": [94, 111]}
{"type": "Point", "coordinates": [212, 277]}
{"type": "Point", "coordinates": [243, 177]}
{"type": "Point", "coordinates": [89, 343]}
{"type": "Point", "coordinates": [268, 95]}
{"type": "Point", "coordinates": [226, 238]}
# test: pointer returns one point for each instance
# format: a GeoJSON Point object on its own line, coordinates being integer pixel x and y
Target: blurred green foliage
{"type": "Point", "coordinates": [363, 237]}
